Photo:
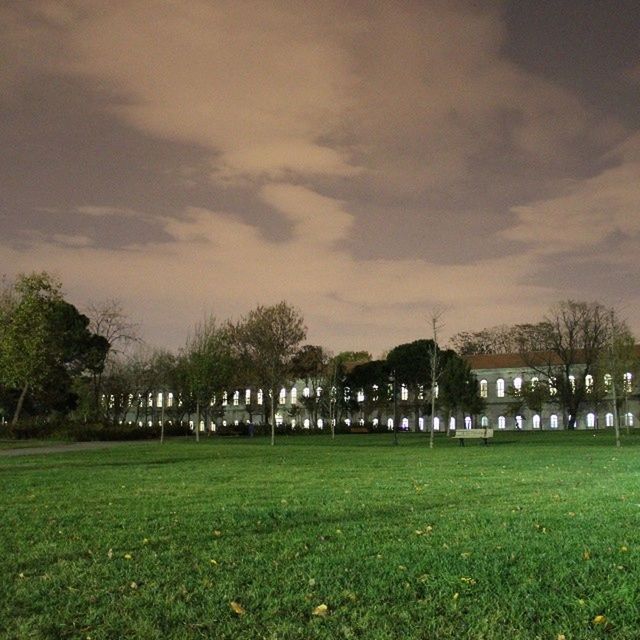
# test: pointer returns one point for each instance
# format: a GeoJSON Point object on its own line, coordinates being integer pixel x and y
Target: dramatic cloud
{"type": "Point", "coordinates": [365, 161]}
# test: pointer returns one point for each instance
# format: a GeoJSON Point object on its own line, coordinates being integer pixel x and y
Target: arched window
{"type": "Point", "coordinates": [294, 395]}
{"type": "Point", "coordinates": [517, 384]}
{"type": "Point", "coordinates": [306, 423]}
{"type": "Point", "coordinates": [588, 383]}
{"type": "Point", "coordinates": [282, 397]}
{"type": "Point", "coordinates": [484, 421]}
{"type": "Point", "coordinates": [293, 423]}
{"type": "Point", "coordinates": [500, 388]}
{"type": "Point", "coordinates": [436, 390]}
{"type": "Point", "coordinates": [347, 394]}
{"type": "Point", "coordinates": [306, 392]}
{"type": "Point", "coordinates": [170, 400]}
{"type": "Point", "coordinates": [608, 420]}
{"type": "Point", "coordinates": [279, 419]}
{"type": "Point", "coordinates": [405, 424]}
{"type": "Point", "coordinates": [436, 424]}
{"type": "Point", "coordinates": [224, 398]}
{"type": "Point", "coordinates": [452, 423]}
{"type": "Point", "coordinates": [467, 422]}
{"type": "Point", "coordinates": [535, 422]}
{"type": "Point", "coordinates": [607, 382]}
{"type": "Point", "coordinates": [502, 422]}
{"type": "Point", "coordinates": [591, 420]}
{"type": "Point", "coordinates": [572, 383]}
{"type": "Point", "coordinates": [247, 396]}
{"type": "Point", "coordinates": [553, 390]}
{"type": "Point", "coordinates": [627, 383]}
{"type": "Point", "coordinates": [534, 382]}
{"type": "Point", "coordinates": [628, 419]}
{"type": "Point", "coordinates": [318, 392]}
{"type": "Point", "coordinates": [360, 395]}
{"type": "Point", "coordinates": [483, 388]}
{"type": "Point", "coordinates": [160, 399]}
{"type": "Point", "coordinates": [553, 421]}
{"type": "Point", "coordinates": [320, 423]}
{"type": "Point", "coordinates": [421, 424]}
{"type": "Point", "coordinates": [404, 392]}
{"type": "Point", "coordinates": [376, 422]}
{"type": "Point", "coordinates": [236, 398]}
{"type": "Point", "coordinates": [519, 422]}
{"type": "Point", "coordinates": [374, 394]}
{"type": "Point", "coordinates": [260, 396]}
{"type": "Point", "coordinates": [390, 424]}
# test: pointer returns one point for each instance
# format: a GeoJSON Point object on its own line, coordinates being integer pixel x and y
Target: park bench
{"type": "Point", "coordinates": [483, 434]}
{"type": "Point", "coordinates": [359, 430]}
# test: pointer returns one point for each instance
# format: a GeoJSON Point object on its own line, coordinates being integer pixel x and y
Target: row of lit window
{"type": "Point", "coordinates": [627, 384]}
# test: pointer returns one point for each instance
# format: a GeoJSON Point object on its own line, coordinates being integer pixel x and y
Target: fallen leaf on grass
{"type": "Point", "coordinates": [321, 610]}
{"type": "Point", "coordinates": [237, 608]}
{"type": "Point", "coordinates": [586, 555]}
{"type": "Point", "coordinates": [600, 619]}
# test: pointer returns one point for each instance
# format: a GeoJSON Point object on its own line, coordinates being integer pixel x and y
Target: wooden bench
{"type": "Point", "coordinates": [463, 434]}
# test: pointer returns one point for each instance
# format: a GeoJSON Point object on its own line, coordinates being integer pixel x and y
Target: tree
{"type": "Point", "coordinates": [43, 339]}
{"type": "Point", "coordinates": [108, 319]}
{"type": "Point", "coordinates": [266, 342]}
{"type": "Point", "coordinates": [567, 348]}
{"type": "Point", "coordinates": [209, 366]}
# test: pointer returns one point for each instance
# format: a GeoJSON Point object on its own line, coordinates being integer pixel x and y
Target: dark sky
{"type": "Point", "coordinates": [366, 161]}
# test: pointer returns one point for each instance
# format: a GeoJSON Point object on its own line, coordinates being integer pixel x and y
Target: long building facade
{"type": "Point", "coordinates": [500, 378]}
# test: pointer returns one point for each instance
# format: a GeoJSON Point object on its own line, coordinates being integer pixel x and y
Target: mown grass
{"type": "Point", "coordinates": [531, 537]}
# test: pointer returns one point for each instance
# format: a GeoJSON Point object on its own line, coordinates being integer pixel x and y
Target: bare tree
{"type": "Point", "coordinates": [436, 325]}
{"type": "Point", "coordinates": [567, 348]}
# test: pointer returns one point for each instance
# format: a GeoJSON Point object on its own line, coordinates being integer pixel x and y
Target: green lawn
{"type": "Point", "coordinates": [531, 537]}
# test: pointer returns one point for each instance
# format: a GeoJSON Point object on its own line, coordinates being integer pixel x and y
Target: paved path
{"type": "Point", "coordinates": [73, 446]}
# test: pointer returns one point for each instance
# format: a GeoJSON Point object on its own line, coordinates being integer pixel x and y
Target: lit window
{"type": "Point", "coordinates": [404, 392]}
{"type": "Point", "coordinates": [517, 384]}
{"type": "Point", "coordinates": [467, 422]}
{"type": "Point", "coordinates": [306, 392]}
{"type": "Point", "coordinates": [360, 396]}
{"type": "Point", "coordinates": [436, 390]}
{"type": "Point", "coordinates": [294, 395]}
{"type": "Point", "coordinates": [236, 398]}
{"type": "Point", "coordinates": [534, 383]}
{"type": "Point", "coordinates": [607, 382]}
{"type": "Point", "coordinates": [500, 388]}
{"type": "Point", "coordinates": [421, 424]}
{"type": "Point", "coordinates": [170, 400]}
{"type": "Point", "coordinates": [320, 423]}
{"type": "Point", "coordinates": [375, 422]}
{"type": "Point", "coordinates": [628, 419]}
{"type": "Point", "coordinates": [452, 423]}
{"type": "Point", "coordinates": [591, 420]}
{"type": "Point", "coordinates": [160, 400]}
{"type": "Point", "coordinates": [484, 421]}
{"type": "Point", "coordinates": [484, 389]}
{"type": "Point", "coordinates": [347, 394]}
{"type": "Point", "coordinates": [553, 421]}
{"type": "Point", "coordinates": [572, 383]}
{"type": "Point", "coordinates": [247, 396]}
{"type": "Point", "coordinates": [306, 423]}
{"type": "Point", "coordinates": [260, 396]}
{"type": "Point", "coordinates": [436, 424]}
{"type": "Point", "coordinates": [224, 398]}
{"type": "Point", "coordinates": [293, 423]}
{"type": "Point", "coordinates": [553, 390]}
{"type": "Point", "coordinates": [279, 419]}
{"type": "Point", "coordinates": [608, 420]}
{"type": "Point", "coordinates": [150, 400]}
{"type": "Point", "coordinates": [375, 393]}
{"type": "Point", "coordinates": [421, 392]}
{"type": "Point", "coordinates": [390, 424]}
{"type": "Point", "coordinates": [502, 422]}
{"type": "Point", "coordinates": [535, 422]}
{"type": "Point", "coordinates": [588, 383]}
{"type": "Point", "coordinates": [519, 422]}
{"type": "Point", "coordinates": [282, 398]}
{"type": "Point", "coordinates": [627, 383]}
{"type": "Point", "coordinates": [318, 392]}
{"type": "Point", "coordinates": [347, 421]}
{"type": "Point", "coordinates": [405, 424]}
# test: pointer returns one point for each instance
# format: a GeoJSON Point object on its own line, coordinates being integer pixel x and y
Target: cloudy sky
{"type": "Point", "coordinates": [365, 161]}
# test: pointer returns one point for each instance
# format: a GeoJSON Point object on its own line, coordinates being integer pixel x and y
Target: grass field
{"type": "Point", "coordinates": [535, 536]}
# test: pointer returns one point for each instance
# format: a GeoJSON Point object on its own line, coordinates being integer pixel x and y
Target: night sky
{"type": "Point", "coordinates": [365, 161]}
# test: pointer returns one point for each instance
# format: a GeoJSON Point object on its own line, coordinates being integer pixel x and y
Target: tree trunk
{"type": "Point", "coordinates": [197, 424]}
{"type": "Point", "coordinates": [18, 410]}
{"type": "Point", "coordinates": [273, 417]}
